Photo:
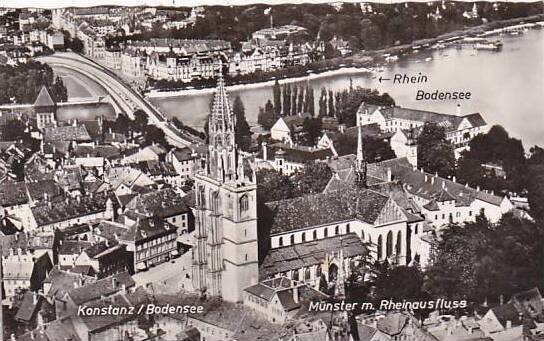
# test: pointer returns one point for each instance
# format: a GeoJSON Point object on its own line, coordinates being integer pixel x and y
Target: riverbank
{"type": "Point", "coordinates": [360, 62]}
{"type": "Point", "coordinates": [236, 87]}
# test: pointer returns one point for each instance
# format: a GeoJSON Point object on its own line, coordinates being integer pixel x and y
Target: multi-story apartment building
{"type": "Point", "coordinates": [183, 68]}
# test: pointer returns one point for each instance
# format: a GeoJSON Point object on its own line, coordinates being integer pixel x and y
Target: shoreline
{"type": "Point", "coordinates": [346, 70]}
{"type": "Point", "coordinates": [190, 92]}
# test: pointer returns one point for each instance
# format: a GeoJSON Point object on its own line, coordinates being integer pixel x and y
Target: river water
{"type": "Point", "coordinates": [507, 87]}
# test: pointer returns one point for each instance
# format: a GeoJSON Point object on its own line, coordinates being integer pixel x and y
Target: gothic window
{"type": "Point", "coordinates": [399, 241]}
{"type": "Point", "coordinates": [202, 196]}
{"type": "Point", "coordinates": [294, 276]}
{"type": "Point", "coordinates": [415, 232]}
{"type": "Point", "coordinates": [303, 237]}
{"type": "Point", "coordinates": [336, 230]}
{"type": "Point", "coordinates": [380, 247]}
{"type": "Point", "coordinates": [362, 235]}
{"type": "Point", "coordinates": [307, 274]}
{"type": "Point", "coordinates": [347, 228]}
{"type": "Point", "coordinates": [292, 239]}
{"type": "Point", "coordinates": [244, 204]}
{"type": "Point", "coordinates": [280, 241]}
{"type": "Point", "coordinates": [318, 270]}
{"type": "Point", "coordinates": [315, 234]}
{"type": "Point", "coordinates": [389, 244]}
{"type": "Point", "coordinates": [215, 201]}
{"type": "Point", "coordinates": [326, 232]}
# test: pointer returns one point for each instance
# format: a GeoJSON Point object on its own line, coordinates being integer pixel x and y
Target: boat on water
{"type": "Point", "coordinates": [391, 58]}
{"type": "Point", "coordinates": [489, 46]}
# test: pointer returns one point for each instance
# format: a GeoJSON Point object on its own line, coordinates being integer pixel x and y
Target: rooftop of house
{"type": "Point", "coordinates": [102, 287]}
{"type": "Point", "coordinates": [63, 281]}
{"type": "Point", "coordinates": [25, 242]}
{"type": "Point", "coordinates": [13, 193]}
{"type": "Point", "coordinates": [297, 154]}
{"type": "Point", "coordinates": [430, 186]}
{"type": "Point", "coordinates": [103, 151]}
{"type": "Point", "coordinates": [66, 133]}
{"type": "Point", "coordinates": [146, 229]}
{"type": "Point", "coordinates": [324, 208]}
{"type": "Point", "coordinates": [155, 168]}
{"type": "Point", "coordinates": [44, 190]}
{"type": "Point", "coordinates": [70, 208]}
{"type": "Point", "coordinates": [298, 256]}
{"type": "Point", "coordinates": [245, 324]}
{"type": "Point", "coordinates": [162, 203]}
{"type": "Point", "coordinates": [449, 122]}
{"type": "Point", "coordinates": [44, 99]}
{"type": "Point", "coordinates": [183, 154]}
{"type": "Point", "coordinates": [73, 247]}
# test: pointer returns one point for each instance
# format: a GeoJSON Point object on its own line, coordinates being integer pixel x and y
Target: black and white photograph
{"type": "Point", "coordinates": [206, 170]}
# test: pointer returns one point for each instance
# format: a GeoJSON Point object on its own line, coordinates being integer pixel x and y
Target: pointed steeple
{"type": "Point", "coordinates": [360, 163]}
{"type": "Point", "coordinates": [222, 149]}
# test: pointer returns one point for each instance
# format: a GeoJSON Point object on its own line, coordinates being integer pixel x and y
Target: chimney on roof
{"type": "Point", "coordinates": [389, 174]}
{"type": "Point", "coordinates": [432, 180]}
{"type": "Point", "coordinates": [34, 298]}
{"type": "Point", "coordinates": [454, 179]}
{"type": "Point", "coordinates": [443, 184]}
{"type": "Point", "coordinates": [478, 188]}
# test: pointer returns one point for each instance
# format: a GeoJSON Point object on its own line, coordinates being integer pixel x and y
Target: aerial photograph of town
{"type": "Point", "coordinates": [324, 171]}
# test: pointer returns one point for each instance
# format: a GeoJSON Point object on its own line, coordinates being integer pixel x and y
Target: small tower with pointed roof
{"type": "Point", "coordinates": [225, 257]}
{"type": "Point", "coordinates": [360, 162]}
{"type": "Point", "coordinates": [45, 109]}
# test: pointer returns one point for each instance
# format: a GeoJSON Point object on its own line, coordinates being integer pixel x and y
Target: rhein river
{"type": "Point", "coordinates": [507, 87]}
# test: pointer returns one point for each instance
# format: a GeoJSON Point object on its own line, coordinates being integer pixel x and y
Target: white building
{"type": "Point", "coordinates": [460, 129]}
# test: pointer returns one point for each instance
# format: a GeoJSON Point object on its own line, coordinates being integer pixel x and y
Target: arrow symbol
{"type": "Point", "coordinates": [383, 79]}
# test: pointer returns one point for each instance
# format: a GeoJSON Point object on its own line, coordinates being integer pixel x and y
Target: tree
{"type": "Point", "coordinates": [375, 149]}
{"type": "Point", "coordinates": [273, 186]}
{"type": "Point", "coordinates": [300, 104]}
{"type": "Point", "coordinates": [277, 97]}
{"type": "Point", "coordinates": [155, 135]}
{"type": "Point", "coordinates": [348, 102]}
{"type": "Point", "coordinates": [242, 131]}
{"type": "Point", "coordinates": [14, 130]}
{"type": "Point", "coordinates": [286, 100]}
{"type": "Point", "coordinates": [535, 191]}
{"type": "Point", "coordinates": [59, 91]}
{"type": "Point", "coordinates": [332, 112]}
{"type": "Point", "coordinates": [481, 261]}
{"type": "Point", "coordinates": [313, 178]}
{"type": "Point", "coordinates": [323, 103]}
{"type": "Point", "coordinates": [311, 131]}
{"type": "Point", "coordinates": [267, 116]}
{"type": "Point", "coordinates": [435, 153]}
{"type": "Point", "coordinates": [310, 105]}
{"type": "Point", "coordinates": [294, 98]}
{"type": "Point", "coordinates": [400, 283]}
{"type": "Point", "coordinates": [76, 45]}
{"type": "Point", "coordinates": [140, 120]}
{"type": "Point", "coordinates": [498, 148]}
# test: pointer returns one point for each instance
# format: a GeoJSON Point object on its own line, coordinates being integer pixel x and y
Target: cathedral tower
{"type": "Point", "coordinates": [225, 254]}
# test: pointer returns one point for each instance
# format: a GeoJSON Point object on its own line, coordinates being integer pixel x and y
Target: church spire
{"type": "Point", "coordinates": [222, 148]}
{"type": "Point", "coordinates": [360, 164]}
